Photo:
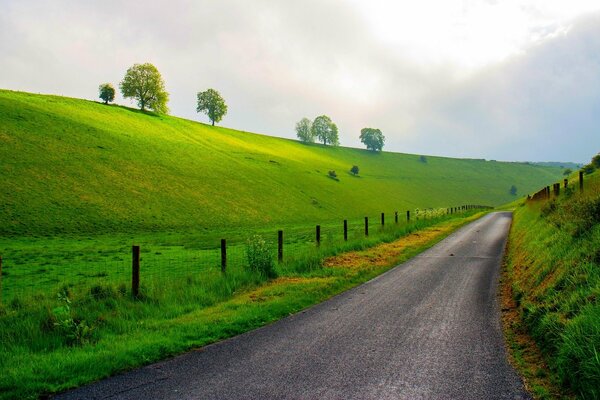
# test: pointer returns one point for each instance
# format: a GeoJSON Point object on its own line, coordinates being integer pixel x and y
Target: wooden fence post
{"type": "Point", "coordinates": [566, 182]}
{"type": "Point", "coordinates": [345, 230]}
{"type": "Point", "coordinates": [366, 226]}
{"type": "Point", "coordinates": [223, 255]}
{"type": "Point", "coordinates": [280, 246]}
{"type": "Point", "coordinates": [581, 181]}
{"type": "Point", "coordinates": [408, 216]}
{"type": "Point", "coordinates": [318, 235]}
{"type": "Point", "coordinates": [382, 220]}
{"type": "Point", "coordinates": [396, 216]}
{"type": "Point", "coordinates": [135, 271]}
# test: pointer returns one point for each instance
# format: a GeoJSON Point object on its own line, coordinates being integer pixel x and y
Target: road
{"type": "Point", "coordinates": [427, 329]}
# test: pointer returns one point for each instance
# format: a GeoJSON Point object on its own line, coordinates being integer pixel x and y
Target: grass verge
{"type": "Point", "coordinates": [551, 293]}
{"type": "Point", "coordinates": [39, 357]}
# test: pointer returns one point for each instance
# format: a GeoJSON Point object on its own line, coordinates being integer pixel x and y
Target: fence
{"type": "Point", "coordinates": [152, 266]}
{"type": "Point", "coordinates": [546, 193]}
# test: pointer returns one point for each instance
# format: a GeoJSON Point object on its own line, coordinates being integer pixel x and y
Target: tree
{"type": "Point", "coordinates": [107, 92]}
{"type": "Point", "coordinates": [567, 172]}
{"type": "Point", "coordinates": [423, 159]}
{"type": "Point", "coordinates": [143, 83]}
{"type": "Point", "coordinates": [304, 130]}
{"type": "Point", "coordinates": [513, 190]}
{"type": "Point", "coordinates": [325, 130]}
{"type": "Point", "coordinates": [212, 104]}
{"type": "Point", "coordinates": [354, 170]}
{"type": "Point", "coordinates": [372, 138]}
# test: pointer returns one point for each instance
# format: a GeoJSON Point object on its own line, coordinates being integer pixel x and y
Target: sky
{"type": "Point", "coordinates": [495, 79]}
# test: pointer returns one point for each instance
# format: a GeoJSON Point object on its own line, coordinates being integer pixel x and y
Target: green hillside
{"type": "Point", "coordinates": [76, 166]}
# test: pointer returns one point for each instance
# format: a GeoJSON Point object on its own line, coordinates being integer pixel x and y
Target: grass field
{"type": "Point", "coordinates": [80, 182]}
{"type": "Point", "coordinates": [554, 272]}
{"type": "Point", "coordinates": [78, 167]}
{"type": "Point", "coordinates": [48, 344]}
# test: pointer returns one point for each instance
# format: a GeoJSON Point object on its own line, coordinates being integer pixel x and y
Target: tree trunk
{"type": "Point", "coordinates": [213, 122]}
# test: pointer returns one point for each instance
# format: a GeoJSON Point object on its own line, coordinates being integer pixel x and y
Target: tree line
{"type": "Point", "coordinates": [144, 84]}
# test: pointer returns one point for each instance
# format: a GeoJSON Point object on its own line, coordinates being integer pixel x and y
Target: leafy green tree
{"type": "Point", "coordinates": [212, 104]}
{"type": "Point", "coordinates": [567, 172]}
{"type": "Point", "coordinates": [354, 170]}
{"type": "Point", "coordinates": [596, 161]}
{"type": "Point", "coordinates": [107, 92]}
{"type": "Point", "coordinates": [144, 83]}
{"type": "Point", "coordinates": [513, 190]}
{"type": "Point", "coordinates": [372, 138]}
{"type": "Point", "coordinates": [325, 130]}
{"type": "Point", "coordinates": [304, 130]}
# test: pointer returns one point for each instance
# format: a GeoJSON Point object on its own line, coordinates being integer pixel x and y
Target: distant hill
{"type": "Point", "coordinates": [76, 166]}
{"type": "Point", "coordinates": [570, 165]}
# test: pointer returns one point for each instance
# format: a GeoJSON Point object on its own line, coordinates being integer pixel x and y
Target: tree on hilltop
{"type": "Point", "coordinates": [144, 83]}
{"type": "Point", "coordinates": [107, 92]}
{"type": "Point", "coordinates": [212, 104]}
{"type": "Point", "coordinates": [304, 130]}
{"type": "Point", "coordinates": [325, 130]}
{"type": "Point", "coordinates": [372, 138]}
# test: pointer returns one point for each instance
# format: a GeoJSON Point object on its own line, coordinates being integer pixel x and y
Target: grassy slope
{"type": "Point", "coordinates": [554, 269]}
{"type": "Point", "coordinates": [75, 166]}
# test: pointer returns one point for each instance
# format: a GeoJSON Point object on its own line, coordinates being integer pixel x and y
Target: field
{"type": "Point", "coordinates": [554, 273]}
{"type": "Point", "coordinates": [81, 182]}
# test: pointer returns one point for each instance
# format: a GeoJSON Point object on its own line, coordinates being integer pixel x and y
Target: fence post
{"type": "Point", "coordinates": [345, 230]}
{"type": "Point", "coordinates": [135, 271]}
{"type": "Point", "coordinates": [396, 216]}
{"type": "Point", "coordinates": [366, 226]}
{"type": "Point", "coordinates": [408, 216]}
{"type": "Point", "coordinates": [566, 182]}
{"type": "Point", "coordinates": [581, 181]}
{"type": "Point", "coordinates": [318, 235]}
{"type": "Point", "coordinates": [223, 255]}
{"type": "Point", "coordinates": [280, 246]}
{"type": "Point", "coordinates": [382, 220]}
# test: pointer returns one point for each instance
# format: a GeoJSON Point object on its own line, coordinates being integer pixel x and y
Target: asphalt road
{"type": "Point", "coordinates": [427, 329]}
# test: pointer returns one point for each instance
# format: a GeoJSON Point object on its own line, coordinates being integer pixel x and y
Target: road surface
{"type": "Point", "coordinates": [427, 329]}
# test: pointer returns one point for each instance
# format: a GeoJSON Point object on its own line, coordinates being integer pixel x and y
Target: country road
{"type": "Point", "coordinates": [427, 329]}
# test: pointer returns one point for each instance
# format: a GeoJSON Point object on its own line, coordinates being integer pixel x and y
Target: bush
{"type": "Point", "coordinates": [423, 159]}
{"type": "Point", "coordinates": [260, 257]}
{"type": "Point", "coordinates": [354, 170]}
{"type": "Point", "coordinates": [77, 332]}
{"type": "Point", "coordinates": [332, 174]}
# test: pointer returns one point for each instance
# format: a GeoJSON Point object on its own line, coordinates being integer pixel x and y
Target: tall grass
{"type": "Point", "coordinates": [554, 263]}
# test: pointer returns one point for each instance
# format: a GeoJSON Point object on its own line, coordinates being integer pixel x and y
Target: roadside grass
{"type": "Point", "coordinates": [74, 167]}
{"type": "Point", "coordinates": [40, 355]}
{"type": "Point", "coordinates": [553, 269]}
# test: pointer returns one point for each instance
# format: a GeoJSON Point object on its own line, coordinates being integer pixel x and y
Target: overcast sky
{"type": "Point", "coordinates": [495, 79]}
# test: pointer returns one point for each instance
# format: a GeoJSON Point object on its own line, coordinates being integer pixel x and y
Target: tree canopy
{"type": "Point", "coordinates": [354, 170]}
{"type": "Point", "coordinates": [107, 92]}
{"type": "Point", "coordinates": [212, 104]}
{"type": "Point", "coordinates": [372, 138]}
{"type": "Point", "coordinates": [304, 130]}
{"type": "Point", "coordinates": [325, 130]}
{"type": "Point", "coordinates": [144, 83]}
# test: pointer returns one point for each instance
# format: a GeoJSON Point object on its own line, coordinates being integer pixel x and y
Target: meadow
{"type": "Point", "coordinates": [81, 182]}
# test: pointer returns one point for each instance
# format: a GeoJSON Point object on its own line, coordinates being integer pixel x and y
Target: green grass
{"type": "Point", "coordinates": [39, 358]}
{"type": "Point", "coordinates": [72, 166]}
{"type": "Point", "coordinates": [554, 269]}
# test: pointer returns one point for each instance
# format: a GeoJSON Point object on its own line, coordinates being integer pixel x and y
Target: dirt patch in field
{"type": "Point", "coordinates": [384, 254]}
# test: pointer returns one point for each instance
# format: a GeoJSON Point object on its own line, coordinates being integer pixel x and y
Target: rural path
{"type": "Point", "coordinates": [427, 329]}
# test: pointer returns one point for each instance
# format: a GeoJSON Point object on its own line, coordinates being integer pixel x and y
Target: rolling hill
{"type": "Point", "coordinates": [77, 166]}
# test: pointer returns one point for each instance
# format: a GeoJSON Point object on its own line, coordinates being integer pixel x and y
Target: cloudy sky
{"type": "Point", "coordinates": [495, 79]}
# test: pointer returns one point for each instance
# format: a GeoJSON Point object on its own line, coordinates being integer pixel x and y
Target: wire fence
{"type": "Point", "coordinates": [164, 263]}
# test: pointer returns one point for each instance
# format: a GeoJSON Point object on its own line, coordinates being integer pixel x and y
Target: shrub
{"type": "Point", "coordinates": [354, 170]}
{"type": "Point", "coordinates": [332, 174]}
{"type": "Point", "coordinates": [260, 257]}
{"type": "Point", "coordinates": [75, 331]}
{"type": "Point", "coordinates": [423, 159]}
